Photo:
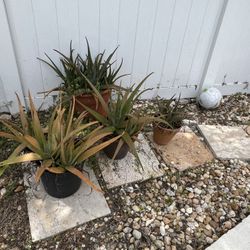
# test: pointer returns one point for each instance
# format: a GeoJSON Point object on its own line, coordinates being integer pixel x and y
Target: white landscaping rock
{"type": "Point", "coordinates": [162, 229]}
{"type": "Point", "coordinates": [49, 216]}
{"type": "Point", "coordinates": [137, 234]}
{"type": "Point", "coordinates": [127, 170]}
{"type": "Point", "coordinates": [3, 191]}
{"type": "Point", "coordinates": [189, 210]}
{"type": "Point", "coordinates": [210, 98]}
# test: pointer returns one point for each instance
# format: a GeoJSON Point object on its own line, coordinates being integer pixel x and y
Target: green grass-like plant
{"type": "Point", "coordinates": [171, 111]}
{"type": "Point", "coordinates": [56, 146]}
{"type": "Point", "coordinates": [97, 69]}
{"type": "Point", "coordinates": [120, 115]}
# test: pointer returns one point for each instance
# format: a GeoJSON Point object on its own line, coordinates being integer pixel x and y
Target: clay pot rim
{"type": "Point", "coordinates": [167, 129]}
{"type": "Point", "coordinates": [93, 94]}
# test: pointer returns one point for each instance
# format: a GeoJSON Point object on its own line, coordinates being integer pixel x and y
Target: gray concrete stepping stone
{"type": "Point", "coordinates": [237, 238]}
{"type": "Point", "coordinates": [184, 151]}
{"type": "Point", "coordinates": [227, 142]}
{"type": "Point", "coordinates": [127, 170]}
{"type": "Point", "coordinates": [49, 216]}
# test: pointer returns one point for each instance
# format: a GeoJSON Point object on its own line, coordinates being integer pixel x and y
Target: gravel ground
{"type": "Point", "coordinates": [234, 110]}
{"type": "Point", "coordinates": [181, 210]}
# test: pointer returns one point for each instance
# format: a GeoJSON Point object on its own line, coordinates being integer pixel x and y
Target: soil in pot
{"type": "Point", "coordinates": [163, 136]}
{"type": "Point", "coordinates": [60, 185]}
{"type": "Point", "coordinates": [92, 102]}
{"type": "Point", "coordinates": [110, 150]}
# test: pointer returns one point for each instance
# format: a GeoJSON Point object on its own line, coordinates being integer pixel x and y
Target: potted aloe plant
{"type": "Point", "coordinates": [172, 113]}
{"type": "Point", "coordinates": [57, 147]}
{"type": "Point", "coordinates": [126, 122]}
{"type": "Point", "coordinates": [98, 70]}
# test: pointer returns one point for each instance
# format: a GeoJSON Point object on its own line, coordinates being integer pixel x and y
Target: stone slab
{"type": "Point", "coordinates": [227, 142]}
{"type": "Point", "coordinates": [49, 216]}
{"type": "Point", "coordinates": [184, 151]}
{"type": "Point", "coordinates": [127, 170]}
{"type": "Point", "coordinates": [237, 238]}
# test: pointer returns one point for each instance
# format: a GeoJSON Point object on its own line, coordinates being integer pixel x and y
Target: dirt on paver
{"type": "Point", "coordinates": [184, 151]}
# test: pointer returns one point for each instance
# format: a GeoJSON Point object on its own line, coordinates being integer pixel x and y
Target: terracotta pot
{"type": "Point", "coordinates": [60, 185]}
{"type": "Point", "coordinates": [92, 102]}
{"type": "Point", "coordinates": [163, 136]}
{"type": "Point", "coordinates": [110, 150]}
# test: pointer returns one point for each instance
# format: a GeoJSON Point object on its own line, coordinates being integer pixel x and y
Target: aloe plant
{"type": "Point", "coordinates": [98, 70]}
{"type": "Point", "coordinates": [120, 115]}
{"type": "Point", "coordinates": [171, 111]}
{"type": "Point", "coordinates": [57, 146]}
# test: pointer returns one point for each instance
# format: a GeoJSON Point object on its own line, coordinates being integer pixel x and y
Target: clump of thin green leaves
{"type": "Point", "coordinates": [57, 146]}
{"type": "Point", "coordinates": [171, 111]}
{"type": "Point", "coordinates": [121, 116]}
{"type": "Point", "coordinates": [98, 70]}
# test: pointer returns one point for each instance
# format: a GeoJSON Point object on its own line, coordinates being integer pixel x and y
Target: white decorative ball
{"type": "Point", "coordinates": [210, 98]}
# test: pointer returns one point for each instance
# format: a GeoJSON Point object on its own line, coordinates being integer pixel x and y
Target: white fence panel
{"type": "Point", "coordinates": [29, 44]}
{"type": "Point", "coordinates": [70, 29]}
{"type": "Point", "coordinates": [128, 22]}
{"type": "Point", "coordinates": [191, 32]}
{"type": "Point", "coordinates": [89, 25]}
{"type": "Point", "coordinates": [142, 40]}
{"type": "Point", "coordinates": [159, 43]}
{"type": "Point", "coordinates": [172, 38]}
{"type": "Point", "coordinates": [229, 68]}
{"type": "Point", "coordinates": [9, 72]}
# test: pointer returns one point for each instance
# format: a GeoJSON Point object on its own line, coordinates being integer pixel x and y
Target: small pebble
{"type": "Point", "coordinates": [137, 234]}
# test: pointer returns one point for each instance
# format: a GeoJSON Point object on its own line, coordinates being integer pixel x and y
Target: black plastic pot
{"type": "Point", "coordinates": [60, 185]}
{"type": "Point", "coordinates": [110, 150]}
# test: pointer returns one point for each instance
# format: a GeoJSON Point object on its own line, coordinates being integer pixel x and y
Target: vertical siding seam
{"type": "Point", "coordinates": [99, 26]}
{"type": "Point", "coordinates": [58, 33]}
{"type": "Point", "coordinates": [37, 43]}
{"type": "Point", "coordinates": [167, 43]}
{"type": "Point", "coordinates": [197, 43]}
{"type": "Point", "coordinates": [78, 20]}
{"type": "Point", "coordinates": [182, 43]}
{"type": "Point", "coordinates": [152, 36]}
{"type": "Point", "coordinates": [57, 24]}
{"type": "Point", "coordinates": [213, 43]}
{"type": "Point", "coordinates": [136, 30]}
{"type": "Point", "coordinates": [118, 31]}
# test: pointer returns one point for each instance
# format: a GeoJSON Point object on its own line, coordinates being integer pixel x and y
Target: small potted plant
{"type": "Point", "coordinates": [57, 148]}
{"type": "Point", "coordinates": [98, 70]}
{"type": "Point", "coordinates": [126, 122]}
{"type": "Point", "coordinates": [172, 113]}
